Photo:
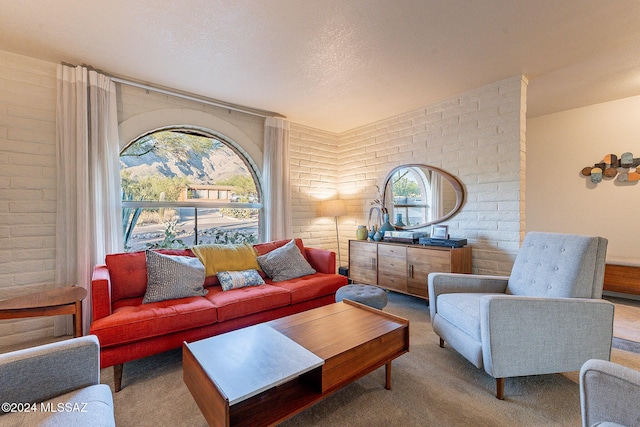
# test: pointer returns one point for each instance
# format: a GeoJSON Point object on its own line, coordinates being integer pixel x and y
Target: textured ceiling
{"type": "Point", "coordinates": [340, 64]}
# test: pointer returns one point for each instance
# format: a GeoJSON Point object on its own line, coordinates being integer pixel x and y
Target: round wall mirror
{"type": "Point", "coordinates": [419, 195]}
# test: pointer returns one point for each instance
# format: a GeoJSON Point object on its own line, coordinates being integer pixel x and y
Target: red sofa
{"type": "Point", "coordinates": [129, 330]}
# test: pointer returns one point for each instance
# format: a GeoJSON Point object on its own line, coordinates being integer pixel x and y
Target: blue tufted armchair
{"type": "Point", "coordinates": [546, 317]}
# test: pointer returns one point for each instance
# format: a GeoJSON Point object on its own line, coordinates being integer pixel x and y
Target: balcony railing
{"type": "Point", "coordinates": [184, 224]}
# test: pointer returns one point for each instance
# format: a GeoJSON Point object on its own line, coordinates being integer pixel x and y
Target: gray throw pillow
{"type": "Point", "coordinates": [285, 263]}
{"type": "Point", "coordinates": [172, 277]}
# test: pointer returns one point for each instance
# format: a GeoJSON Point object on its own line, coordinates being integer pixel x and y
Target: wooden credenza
{"type": "Point", "coordinates": [403, 267]}
{"type": "Point", "coordinates": [622, 278]}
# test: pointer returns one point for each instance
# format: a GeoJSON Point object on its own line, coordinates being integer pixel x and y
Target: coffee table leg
{"type": "Point", "coordinates": [77, 320]}
{"type": "Point", "coordinates": [387, 369]}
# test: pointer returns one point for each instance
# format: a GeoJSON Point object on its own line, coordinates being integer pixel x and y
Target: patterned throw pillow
{"type": "Point", "coordinates": [171, 277]}
{"type": "Point", "coordinates": [239, 279]}
{"type": "Point", "coordinates": [285, 263]}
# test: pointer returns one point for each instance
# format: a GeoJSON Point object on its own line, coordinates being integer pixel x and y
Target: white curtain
{"type": "Point", "coordinates": [277, 185]}
{"type": "Point", "coordinates": [89, 218]}
{"type": "Point", "coordinates": [435, 208]}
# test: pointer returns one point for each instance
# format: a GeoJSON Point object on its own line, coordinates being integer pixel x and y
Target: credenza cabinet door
{"type": "Point", "coordinates": [421, 262]}
{"type": "Point", "coordinates": [363, 262]}
{"type": "Point", "coordinates": [392, 267]}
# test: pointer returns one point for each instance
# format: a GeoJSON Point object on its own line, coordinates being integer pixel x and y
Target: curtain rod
{"type": "Point", "coordinates": [184, 95]}
{"type": "Point", "coordinates": [197, 98]}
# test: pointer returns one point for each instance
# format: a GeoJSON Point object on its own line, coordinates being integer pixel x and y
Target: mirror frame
{"type": "Point", "coordinates": [455, 182]}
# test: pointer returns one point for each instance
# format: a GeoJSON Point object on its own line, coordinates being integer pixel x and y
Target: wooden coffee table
{"type": "Point", "coordinates": [66, 300]}
{"type": "Point", "coordinates": [264, 374]}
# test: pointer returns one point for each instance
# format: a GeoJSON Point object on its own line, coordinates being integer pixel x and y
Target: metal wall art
{"type": "Point", "coordinates": [624, 169]}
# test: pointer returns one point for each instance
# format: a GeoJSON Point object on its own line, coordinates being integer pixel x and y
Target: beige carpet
{"type": "Point", "coordinates": [431, 387]}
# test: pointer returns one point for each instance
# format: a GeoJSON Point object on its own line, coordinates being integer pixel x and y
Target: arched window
{"type": "Point", "coordinates": [411, 191]}
{"type": "Point", "coordinates": [183, 187]}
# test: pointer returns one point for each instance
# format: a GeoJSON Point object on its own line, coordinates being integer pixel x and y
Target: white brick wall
{"type": "Point", "coordinates": [477, 136]}
{"type": "Point", "coordinates": [27, 187]}
{"type": "Point", "coordinates": [314, 177]}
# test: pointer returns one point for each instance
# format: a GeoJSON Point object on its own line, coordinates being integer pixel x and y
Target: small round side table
{"type": "Point", "coordinates": [67, 300]}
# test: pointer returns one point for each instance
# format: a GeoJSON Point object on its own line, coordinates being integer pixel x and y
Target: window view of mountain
{"type": "Point", "coordinates": [182, 166]}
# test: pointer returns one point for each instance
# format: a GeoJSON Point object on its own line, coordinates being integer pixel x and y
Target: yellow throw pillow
{"type": "Point", "coordinates": [226, 258]}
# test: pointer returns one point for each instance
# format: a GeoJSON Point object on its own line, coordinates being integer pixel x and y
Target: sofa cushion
{"type": "Point", "coordinates": [128, 272]}
{"type": "Point", "coordinates": [242, 302]}
{"type": "Point", "coordinates": [285, 263]}
{"type": "Point", "coordinates": [132, 321]}
{"type": "Point", "coordinates": [226, 257]}
{"type": "Point", "coordinates": [172, 277]}
{"type": "Point", "coordinates": [462, 310]}
{"type": "Point", "coordinates": [313, 286]}
{"type": "Point", "coordinates": [239, 279]}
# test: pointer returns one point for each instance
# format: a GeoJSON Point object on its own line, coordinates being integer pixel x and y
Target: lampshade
{"type": "Point", "coordinates": [335, 207]}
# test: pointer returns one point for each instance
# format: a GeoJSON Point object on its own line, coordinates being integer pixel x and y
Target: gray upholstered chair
{"type": "Point", "coordinates": [547, 317]}
{"type": "Point", "coordinates": [55, 384]}
{"type": "Point", "coordinates": [609, 394]}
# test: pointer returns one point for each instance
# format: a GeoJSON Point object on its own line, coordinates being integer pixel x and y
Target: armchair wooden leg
{"type": "Point", "coordinates": [500, 388]}
{"type": "Point", "coordinates": [441, 343]}
{"type": "Point", "coordinates": [117, 377]}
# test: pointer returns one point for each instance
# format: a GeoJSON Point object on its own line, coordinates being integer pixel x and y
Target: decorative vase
{"type": "Point", "coordinates": [372, 232]}
{"type": "Point", "coordinates": [399, 222]}
{"type": "Point", "coordinates": [378, 236]}
{"type": "Point", "coordinates": [361, 232]}
{"type": "Point", "coordinates": [386, 225]}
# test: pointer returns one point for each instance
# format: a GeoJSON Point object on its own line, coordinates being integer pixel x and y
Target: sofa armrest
{"type": "Point", "coordinates": [447, 283]}
{"type": "Point", "coordinates": [609, 393]}
{"type": "Point", "coordinates": [40, 373]}
{"type": "Point", "coordinates": [322, 260]}
{"type": "Point", "coordinates": [550, 334]}
{"type": "Point", "coordinates": [100, 292]}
